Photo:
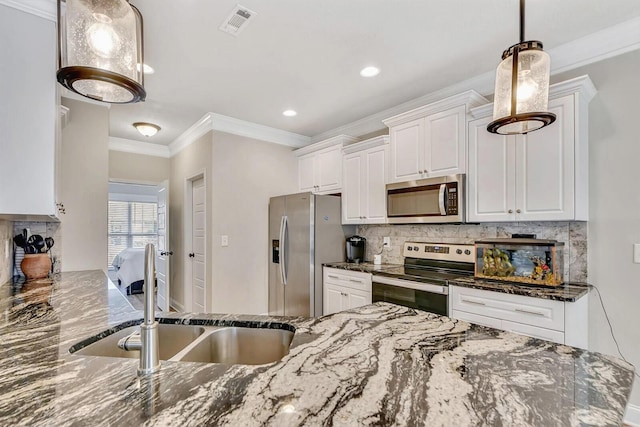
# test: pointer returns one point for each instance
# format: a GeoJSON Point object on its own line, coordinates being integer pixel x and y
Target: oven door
{"type": "Point", "coordinates": [422, 296]}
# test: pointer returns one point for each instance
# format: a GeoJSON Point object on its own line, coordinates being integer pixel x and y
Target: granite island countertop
{"type": "Point", "coordinates": [379, 364]}
{"type": "Point", "coordinates": [568, 292]}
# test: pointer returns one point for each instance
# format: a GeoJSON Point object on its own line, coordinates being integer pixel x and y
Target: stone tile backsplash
{"type": "Point", "coordinates": [573, 234]}
{"type": "Point", "coordinates": [6, 251]}
{"type": "Point", "coordinates": [45, 229]}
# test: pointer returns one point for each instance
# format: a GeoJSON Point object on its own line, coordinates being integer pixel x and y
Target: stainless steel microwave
{"type": "Point", "coordinates": [432, 200]}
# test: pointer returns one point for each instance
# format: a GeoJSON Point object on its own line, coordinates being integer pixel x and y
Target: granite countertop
{"type": "Point", "coordinates": [569, 292]}
{"type": "Point", "coordinates": [379, 364]}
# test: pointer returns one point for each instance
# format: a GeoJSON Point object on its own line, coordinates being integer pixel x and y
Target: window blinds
{"type": "Point", "coordinates": [131, 225]}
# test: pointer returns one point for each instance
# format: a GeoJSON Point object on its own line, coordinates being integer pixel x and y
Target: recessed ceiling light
{"type": "Point", "coordinates": [147, 69]}
{"type": "Point", "coordinates": [146, 129]}
{"type": "Point", "coordinates": [370, 71]}
{"type": "Point", "coordinates": [289, 113]}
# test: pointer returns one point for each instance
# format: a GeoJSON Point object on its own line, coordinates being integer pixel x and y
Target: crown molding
{"type": "Point", "coordinates": [366, 144]}
{"type": "Point", "coordinates": [341, 140]}
{"type": "Point", "coordinates": [65, 116]}
{"type": "Point", "coordinates": [46, 9]}
{"type": "Point", "coordinates": [469, 98]}
{"type": "Point", "coordinates": [191, 135]}
{"type": "Point", "coordinates": [603, 44]}
{"type": "Point", "coordinates": [253, 130]}
{"type": "Point", "coordinates": [582, 85]}
{"type": "Point", "coordinates": [221, 123]}
{"type": "Point", "coordinates": [138, 147]}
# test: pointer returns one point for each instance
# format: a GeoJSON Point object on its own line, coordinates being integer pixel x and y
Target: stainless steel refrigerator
{"type": "Point", "coordinates": [305, 231]}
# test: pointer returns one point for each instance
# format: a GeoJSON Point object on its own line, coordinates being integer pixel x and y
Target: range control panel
{"type": "Point", "coordinates": [441, 251]}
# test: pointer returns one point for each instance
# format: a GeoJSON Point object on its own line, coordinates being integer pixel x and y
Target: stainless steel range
{"type": "Point", "coordinates": [422, 281]}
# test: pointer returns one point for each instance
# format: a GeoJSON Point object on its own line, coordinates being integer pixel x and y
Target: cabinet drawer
{"type": "Point", "coordinates": [350, 279]}
{"type": "Point", "coordinates": [477, 319]}
{"type": "Point", "coordinates": [538, 312]}
{"type": "Point", "coordinates": [533, 331]}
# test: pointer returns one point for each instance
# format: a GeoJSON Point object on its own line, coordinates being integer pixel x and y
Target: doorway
{"type": "Point", "coordinates": [195, 244]}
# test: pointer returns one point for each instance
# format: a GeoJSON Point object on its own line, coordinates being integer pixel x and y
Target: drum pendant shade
{"type": "Point", "coordinates": [100, 49]}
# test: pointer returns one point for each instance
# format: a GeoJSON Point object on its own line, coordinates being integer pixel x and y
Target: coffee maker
{"type": "Point", "coordinates": [356, 248]}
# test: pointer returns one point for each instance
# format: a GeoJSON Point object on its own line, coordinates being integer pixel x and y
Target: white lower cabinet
{"type": "Point", "coordinates": [343, 290]}
{"type": "Point", "coordinates": [557, 321]}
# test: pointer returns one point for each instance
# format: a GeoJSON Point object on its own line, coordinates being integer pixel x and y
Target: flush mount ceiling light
{"type": "Point", "coordinates": [370, 72]}
{"type": "Point", "coordinates": [289, 113]}
{"type": "Point", "coordinates": [521, 97]}
{"type": "Point", "coordinates": [100, 47]}
{"type": "Point", "coordinates": [146, 129]}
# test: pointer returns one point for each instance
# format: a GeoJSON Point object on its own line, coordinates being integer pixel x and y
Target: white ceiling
{"type": "Point", "coordinates": [306, 55]}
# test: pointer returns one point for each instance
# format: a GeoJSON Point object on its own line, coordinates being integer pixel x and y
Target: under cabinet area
{"type": "Point", "coordinates": [540, 176]}
{"type": "Point", "coordinates": [29, 120]}
{"type": "Point", "coordinates": [320, 165]}
{"type": "Point", "coordinates": [343, 290]}
{"type": "Point", "coordinates": [364, 175]}
{"type": "Point", "coordinates": [557, 321]}
{"type": "Point", "coordinates": [430, 141]}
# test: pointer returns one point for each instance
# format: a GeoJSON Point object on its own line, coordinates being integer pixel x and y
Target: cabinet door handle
{"type": "Point", "coordinates": [472, 302]}
{"type": "Point", "coordinates": [343, 294]}
{"type": "Point", "coordinates": [332, 276]}
{"type": "Point", "coordinates": [535, 313]}
{"type": "Point", "coordinates": [420, 172]}
{"type": "Point", "coordinates": [355, 281]}
{"type": "Point", "coordinates": [510, 211]}
{"type": "Point", "coordinates": [518, 211]}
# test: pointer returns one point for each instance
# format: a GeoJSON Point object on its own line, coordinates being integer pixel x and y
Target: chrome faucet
{"type": "Point", "coordinates": [146, 341]}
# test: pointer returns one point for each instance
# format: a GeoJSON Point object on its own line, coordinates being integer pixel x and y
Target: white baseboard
{"type": "Point", "coordinates": [632, 417]}
{"type": "Point", "coordinates": [176, 305]}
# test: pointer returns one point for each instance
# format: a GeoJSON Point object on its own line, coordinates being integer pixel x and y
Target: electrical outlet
{"type": "Point", "coordinates": [636, 253]}
{"type": "Point", "coordinates": [386, 241]}
{"type": "Point", "coordinates": [224, 241]}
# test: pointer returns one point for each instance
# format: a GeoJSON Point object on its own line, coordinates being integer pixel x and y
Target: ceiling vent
{"type": "Point", "coordinates": [237, 20]}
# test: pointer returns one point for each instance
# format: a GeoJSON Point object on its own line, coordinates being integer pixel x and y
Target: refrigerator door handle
{"type": "Point", "coordinates": [283, 231]}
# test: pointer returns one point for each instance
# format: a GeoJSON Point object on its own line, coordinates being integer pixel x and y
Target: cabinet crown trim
{"type": "Point", "coordinates": [470, 99]}
{"type": "Point", "coordinates": [336, 140]}
{"type": "Point", "coordinates": [581, 85]}
{"type": "Point", "coordinates": [366, 144]}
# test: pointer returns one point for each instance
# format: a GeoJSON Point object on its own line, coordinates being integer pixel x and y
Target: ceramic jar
{"type": "Point", "coordinates": [36, 266]}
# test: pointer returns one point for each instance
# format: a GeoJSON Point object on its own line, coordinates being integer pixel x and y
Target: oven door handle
{"type": "Point", "coordinates": [419, 286]}
{"type": "Point", "coordinates": [442, 199]}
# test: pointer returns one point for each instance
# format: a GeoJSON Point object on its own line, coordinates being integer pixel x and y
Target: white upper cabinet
{"type": "Point", "coordinates": [430, 141]}
{"type": "Point", "coordinates": [28, 119]}
{"type": "Point", "coordinates": [320, 165]}
{"type": "Point", "coordinates": [540, 176]}
{"type": "Point", "coordinates": [364, 176]}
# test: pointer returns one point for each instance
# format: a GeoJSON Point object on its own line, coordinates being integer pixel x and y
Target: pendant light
{"type": "Point", "coordinates": [521, 97]}
{"type": "Point", "coordinates": [101, 49]}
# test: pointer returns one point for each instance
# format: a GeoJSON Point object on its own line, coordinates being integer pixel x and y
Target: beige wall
{"type": "Point", "coordinates": [246, 174]}
{"type": "Point", "coordinates": [194, 159]}
{"type": "Point", "coordinates": [84, 187]}
{"type": "Point", "coordinates": [6, 256]}
{"type": "Point", "coordinates": [614, 211]}
{"type": "Point", "coordinates": [138, 168]}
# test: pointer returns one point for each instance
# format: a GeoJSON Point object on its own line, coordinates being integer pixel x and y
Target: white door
{"type": "Point", "coordinates": [352, 189]}
{"type": "Point", "coordinates": [491, 190]}
{"type": "Point", "coordinates": [407, 151]}
{"type": "Point", "coordinates": [444, 142]}
{"type": "Point", "coordinates": [163, 252]}
{"type": "Point", "coordinates": [545, 168]}
{"type": "Point", "coordinates": [306, 172]}
{"type": "Point", "coordinates": [329, 168]}
{"type": "Point", "coordinates": [373, 188]}
{"type": "Point", "coordinates": [198, 252]}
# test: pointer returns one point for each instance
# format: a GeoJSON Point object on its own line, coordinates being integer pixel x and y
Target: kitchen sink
{"type": "Point", "coordinates": [172, 339]}
{"type": "Point", "coordinates": [204, 344]}
{"type": "Point", "coordinates": [235, 345]}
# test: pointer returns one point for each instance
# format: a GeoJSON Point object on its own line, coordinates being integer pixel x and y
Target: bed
{"type": "Point", "coordinates": [130, 269]}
